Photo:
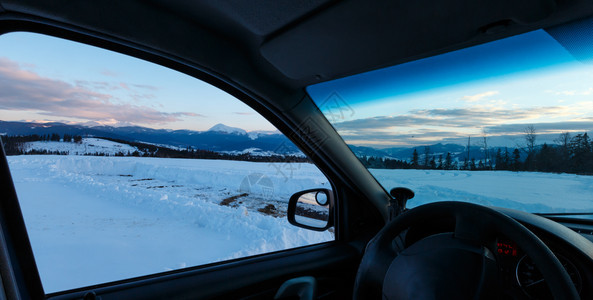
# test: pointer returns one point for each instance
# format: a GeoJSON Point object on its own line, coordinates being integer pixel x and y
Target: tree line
{"type": "Point", "coordinates": [429, 162]}
{"type": "Point", "coordinates": [15, 145]}
{"type": "Point", "coordinates": [569, 154]}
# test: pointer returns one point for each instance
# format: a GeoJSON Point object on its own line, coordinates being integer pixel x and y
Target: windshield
{"type": "Point", "coordinates": [506, 123]}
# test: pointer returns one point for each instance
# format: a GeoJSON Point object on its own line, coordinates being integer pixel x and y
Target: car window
{"type": "Point", "coordinates": [124, 168]}
{"type": "Point", "coordinates": [506, 123]}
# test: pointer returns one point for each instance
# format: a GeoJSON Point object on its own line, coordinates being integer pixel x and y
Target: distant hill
{"type": "Point", "coordinates": [220, 138]}
{"type": "Point", "coordinates": [458, 152]}
{"type": "Point", "coordinates": [232, 140]}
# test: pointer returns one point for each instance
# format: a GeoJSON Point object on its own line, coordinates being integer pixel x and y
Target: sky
{"type": "Point", "coordinates": [495, 90]}
{"type": "Point", "coordinates": [46, 79]}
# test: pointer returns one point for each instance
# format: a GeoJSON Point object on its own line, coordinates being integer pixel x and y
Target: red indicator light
{"type": "Point", "coordinates": [506, 248]}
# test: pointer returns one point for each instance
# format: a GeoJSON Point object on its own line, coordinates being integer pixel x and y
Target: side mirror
{"type": "Point", "coordinates": [312, 209]}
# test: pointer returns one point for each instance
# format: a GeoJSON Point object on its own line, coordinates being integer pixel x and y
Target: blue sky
{"type": "Point", "coordinates": [50, 79]}
{"type": "Point", "coordinates": [494, 90]}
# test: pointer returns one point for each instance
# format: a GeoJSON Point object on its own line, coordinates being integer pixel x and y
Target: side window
{"type": "Point", "coordinates": [124, 168]}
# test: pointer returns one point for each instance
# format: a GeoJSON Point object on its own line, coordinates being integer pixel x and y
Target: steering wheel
{"type": "Point", "coordinates": [458, 265]}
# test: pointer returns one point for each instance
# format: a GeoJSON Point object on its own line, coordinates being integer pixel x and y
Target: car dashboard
{"type": "Point", "coordinates": [571, 240]}
{"type": "Point", "coordinates": [520, 277]}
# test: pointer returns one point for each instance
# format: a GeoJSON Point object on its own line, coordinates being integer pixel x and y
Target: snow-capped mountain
{"type": "Point", "coordinates": [227, 129]}
{"type": "Point", "coordinates": [227, 139]}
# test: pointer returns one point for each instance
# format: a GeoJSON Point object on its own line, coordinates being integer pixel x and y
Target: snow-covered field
{"type": "Point", "coordinates": [86, 146]}
{"type": "Point", "coordinates": [527, 191]}
{"type": "Point", "coordinates": [98, 219]}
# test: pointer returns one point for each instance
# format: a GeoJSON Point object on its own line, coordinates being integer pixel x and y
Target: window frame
{"type": "Point", "coordinates": [23, 272]}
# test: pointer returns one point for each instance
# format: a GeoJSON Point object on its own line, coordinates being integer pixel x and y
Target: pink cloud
{"type": "Point", "coordinates": [26, 90]}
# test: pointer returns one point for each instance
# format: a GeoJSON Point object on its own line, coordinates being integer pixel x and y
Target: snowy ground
{"type": "Point", "coordinates": [86, 146]}
{"type": "Point", "coordinates": [98, 219]}
{"type": "Point", "coordinates": [527, 191]}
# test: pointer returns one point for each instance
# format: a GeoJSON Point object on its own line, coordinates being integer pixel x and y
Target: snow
{"type": "Point", "coordinates": [87, 146]}
{"type": "Point", "coordinates": [98, 219]}
{"type": "Point", "coordinates": [257, 133]}
{"type": "Point", "coordinates": [227, 129]}
{"type": "Point", "coordinates": [259, 152]}
{"type": "Point", "coordinates": [527, 191]}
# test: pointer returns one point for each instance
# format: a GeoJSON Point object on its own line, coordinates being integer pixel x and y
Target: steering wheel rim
{"type": "Point", "coordinates": [473, 222]}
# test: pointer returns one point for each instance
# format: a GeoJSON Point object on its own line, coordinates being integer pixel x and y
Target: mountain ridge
{"type": "Point", "coordinates": [227, 139]}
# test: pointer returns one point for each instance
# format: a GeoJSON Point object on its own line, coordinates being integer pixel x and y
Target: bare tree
{"type": "Point", "coordinates": [563, 140]}
{"type": "Point", "coordinates": [484, 145]}
{"type": "Point", "coordinates": [466, 162]}
{"type": "Point", "coordinates": [530, 138]}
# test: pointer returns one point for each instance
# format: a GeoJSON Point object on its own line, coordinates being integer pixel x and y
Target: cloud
{"type": "Point", "coordinates": [244, 113]}
{"type": "Point", "coordinates": [26, 91]}
{"type": "Point", "coordinates": [96, 85]}
{"type": "Point", "coordinates": [586, 92]}
{"type": "Point", "coordinates": [491, 115]}
{"type": "Point", "coordinates": [109, 73]}
{"type": "Point", "coordinates": [425, 126]}
{"type": "Point", "coordinates": [419, 138]}
{"type": "Point", "coordinates": [542, 128]}
{"type": "Point", "coordinates": [140, 97]}
{"type": "Point", "coordinates": [109, 86]}
{"type": "Point", "coordinates": [146, 86]}
{"type": "Point", "coordinates": [475, 117]}
{"type": "Point", "coordinates": [478, 97]}
{"type": "Point", "coordinates": [510, 135]}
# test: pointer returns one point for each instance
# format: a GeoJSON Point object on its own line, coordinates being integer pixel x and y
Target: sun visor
{"type": "Point", "coordinates": [355, 36]}
{"type": "Point", "coordinates": [576, 38]}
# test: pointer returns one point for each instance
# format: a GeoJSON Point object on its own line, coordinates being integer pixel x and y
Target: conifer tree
{"type": "Point", "coordinates": [448, 161]}
{"type": "Point", "coordinates": [516, 162]}
{"type": "Point", "coordinates": [415, 159]}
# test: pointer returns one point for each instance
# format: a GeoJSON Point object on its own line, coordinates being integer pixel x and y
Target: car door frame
{"type": "Point", "coordinates": [334, 262]}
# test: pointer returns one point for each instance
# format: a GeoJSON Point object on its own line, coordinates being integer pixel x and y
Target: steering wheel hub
{"type": "Point", "coordinates": [454, 265]}
{"type": "Point", "coordinates": [441, 265]}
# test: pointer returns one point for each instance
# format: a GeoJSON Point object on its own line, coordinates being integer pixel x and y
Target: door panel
{"type": "Point", "coordinates": [333, 266]}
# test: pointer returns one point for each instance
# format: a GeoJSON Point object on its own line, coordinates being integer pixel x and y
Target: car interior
{"type": "Point", "coordinates": [270, 55]}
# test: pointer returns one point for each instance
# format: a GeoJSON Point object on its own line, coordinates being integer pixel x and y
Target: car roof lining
{"type": "Point", "coordinates": [263, 18]}
{"type": "Point", "coordinates": [353, 37]}
{"type": "Point", "coordinates": [293, 44]}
